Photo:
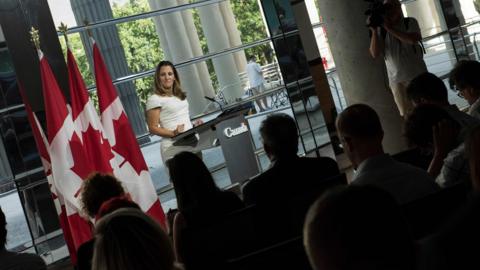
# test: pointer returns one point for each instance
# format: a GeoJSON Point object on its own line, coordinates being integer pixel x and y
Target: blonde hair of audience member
{"type": "Point", "coordinates": [128, 239]}
{"type": "Point", "coordinates": [473, 152]}
{"type": "Point", "coordinates": [357, 228]}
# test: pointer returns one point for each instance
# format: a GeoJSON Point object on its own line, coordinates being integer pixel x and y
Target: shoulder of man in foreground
{"type": "Point", "coordinates": [22, 261]}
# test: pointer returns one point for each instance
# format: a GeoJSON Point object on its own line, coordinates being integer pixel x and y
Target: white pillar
{"type": "Point", "coordinates": [154, 5]}
{"type": "Point", "coordinates": [192, 34]}
{"type": "Point", "coordinates": [233, 34]}
{"type": "Point", "coordinates": [362, 78]}
{"type": "Point", "coordinates": [428, 16]}
{"type": "Point", "coordinates": [217, 40]}
{"type": "Point", "coordinates": [180, 50]}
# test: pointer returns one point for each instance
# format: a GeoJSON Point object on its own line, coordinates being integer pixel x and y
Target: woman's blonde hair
{"type": "Point", "coordinates": [129, 239]}
{"type": "Point", "coordinates": [176, 88]}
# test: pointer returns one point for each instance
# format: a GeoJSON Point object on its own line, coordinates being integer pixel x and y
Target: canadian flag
{"type": "Point", "coordinates": [87, 122]}
{"type": "Point", "coordinates": [68, 160]}
{"type": "Point", "coordinates": [119, 133]}
{"type": "Point", "coordinates": [42, 146]}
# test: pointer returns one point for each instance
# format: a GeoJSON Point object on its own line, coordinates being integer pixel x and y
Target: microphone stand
{"type": "Point", "coordinates": [214, 100]}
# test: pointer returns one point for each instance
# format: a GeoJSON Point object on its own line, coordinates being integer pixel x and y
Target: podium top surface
{"type": "Point", "coordinates": [209, 125]}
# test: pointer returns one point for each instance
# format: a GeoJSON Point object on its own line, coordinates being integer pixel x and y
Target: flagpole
{"type": "Point", "coordinates": [63, 28]}
{"type": "Point", "coordinates": [35, 38]}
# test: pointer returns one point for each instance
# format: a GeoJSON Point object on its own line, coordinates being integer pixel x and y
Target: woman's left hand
{"type": "Point", "coordinates": [197, 122]}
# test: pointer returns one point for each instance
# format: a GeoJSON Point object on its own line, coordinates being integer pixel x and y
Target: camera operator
{"type": "Point", "coordinates": [398, 39]}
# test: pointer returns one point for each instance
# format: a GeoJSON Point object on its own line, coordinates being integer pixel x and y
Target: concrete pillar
{"type": "Point", "coordinates": [233, 34]}
{"type": "Point", "coordinates": [113, 54]}
{"type": "Point", "coordinates": [180, 50]}
{"type": "Point", "coordinates": [362, 78]}
{"type": "Point", "coordinates": [155, 5]}
{"type": "Point", "coordinates": [192, 34]}
{"type": "Point", "coordinates": [217, 40]}
{"type": "Point", "coordinates": [322, 88]}
{"type": "Point", "coordinates": [428, 16]}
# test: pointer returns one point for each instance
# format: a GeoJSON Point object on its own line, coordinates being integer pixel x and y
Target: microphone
{"type": "Point", "coordinates": [214, 100]}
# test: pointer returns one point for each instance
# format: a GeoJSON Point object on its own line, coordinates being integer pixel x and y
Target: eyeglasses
{"type": "Point", "coordinates": [459, 91]}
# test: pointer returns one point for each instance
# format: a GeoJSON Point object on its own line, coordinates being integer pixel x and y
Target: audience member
{"type": "Point", "coordinates": [466, 79]}
{"type": "Point", "coordinates": [361, 134]}
{"type": "Point", "coordinates": [16, 261]}
{"type": "Point", "coordinates": [97, 189]}
{"type": "Point", "coordinates": [101, 194]}
{"type": "Point", "coordinates": [473, 153]}
{"type": "Point", "coordinates": [129, 239]}
{"type": "Point", "coordinates": [199, 200]}
{"type": "Point", "coordinates": [427, 88]}
{"type": "Point", "coordinates": [453, 247]}
{"type": "Point", "coordinates": [288, 174]}
{"type": "Point", "coordinates": [358, 227]}
{"type": "Point", "coordinates": [433, 129]}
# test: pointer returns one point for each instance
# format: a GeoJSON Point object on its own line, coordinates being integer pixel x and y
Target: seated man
{"type": "Point", "coordinates": [361, 134]}
{"type": "Point", "coordinates": [358, 227]}
{"type": "Point", "coordinates": [465, 77]}
{"type": "Point", "coordinates": [434, 130]}
{"type": "Point", "coordinates": [12, 260]}
{"type": "Point", "coordinates": [427, 88]}
{"type": "Point", "coordinates": [288, 174]}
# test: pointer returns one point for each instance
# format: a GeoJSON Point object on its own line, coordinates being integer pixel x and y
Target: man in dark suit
{"type": "Point", "coordinates": [288, 175]}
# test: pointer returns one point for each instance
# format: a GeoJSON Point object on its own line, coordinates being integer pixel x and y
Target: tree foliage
{"type": "Point", "coordinates": [140, 42]}
{"type": "Point", "coordinates": [252, 28]}
{"type": "Point", "coordinates": [143, 49]}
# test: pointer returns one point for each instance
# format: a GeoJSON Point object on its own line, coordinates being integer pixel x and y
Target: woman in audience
{"type": "Point", "coordinates": [358, 227]}
{"type": "Point", "coordinates": [454, 246]}
{"type": "Point", "coordinates": [97, 189]}
{"type": "Point", "coordinates": [199, 200]}
{"type": "Point", "coordinates": [101, 194]}
{"type": "Point", "coordinates": [128, 239]}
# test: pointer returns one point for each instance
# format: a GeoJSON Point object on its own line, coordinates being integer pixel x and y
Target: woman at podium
{"type": "Point", "coordinates": [167, 110]}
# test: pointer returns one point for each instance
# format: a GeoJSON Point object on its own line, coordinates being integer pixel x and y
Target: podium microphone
{"type": "Point", "coordinates": [214, 100]}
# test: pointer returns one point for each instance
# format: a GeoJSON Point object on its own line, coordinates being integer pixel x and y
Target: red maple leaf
{"type": "Point", "coordinates": [126, 144]}
{"type": "Point", "coordinates": [81, 165]}
{"type": "Point", "coordinates": [98, 149]}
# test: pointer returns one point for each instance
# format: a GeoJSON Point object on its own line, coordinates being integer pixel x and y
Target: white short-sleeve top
{"type": "Point", "coordinates": [174, 111]}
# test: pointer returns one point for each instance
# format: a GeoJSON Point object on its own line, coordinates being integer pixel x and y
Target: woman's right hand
{"type": "Point", "coordinates": [178, 130]}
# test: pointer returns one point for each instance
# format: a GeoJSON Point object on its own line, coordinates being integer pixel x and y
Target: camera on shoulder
{"type": "Point", "coordinates": [377, 11]}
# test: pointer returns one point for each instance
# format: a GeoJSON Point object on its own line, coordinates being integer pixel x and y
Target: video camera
{"type": "Point", "coordinates": [377, 11]}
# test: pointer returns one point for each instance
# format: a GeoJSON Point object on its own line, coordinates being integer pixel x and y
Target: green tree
{"type": "Point", "coordinates": [140, 42]}
{"type": "Point", "coordinates": [252, 28]}
{"type": "Point", "coordinates": [477, 5]}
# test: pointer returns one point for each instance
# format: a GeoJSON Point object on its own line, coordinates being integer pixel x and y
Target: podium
{"type": "Point", "coordinates": [229, 130]}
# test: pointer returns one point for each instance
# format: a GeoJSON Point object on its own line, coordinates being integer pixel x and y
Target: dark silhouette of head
{"type": "Point", "coordinates": [280, 136]}
{"type": "Point", "coordinates": [129, 239]}
{"type": "Point", "coordinates": [97, 189]}
{"type": "Point", "coordinates": [360, 132]}
{"type": "Point", "coordinates": [193, 183]}
{"type": "Point", "coordinates": [358, 228]}
{"type": "Point", "coordinates": [3, 230]}
{"type": "Point", "coordinates": [427, 88]}
{"type": "Point", "coordinates": [420, 123]}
